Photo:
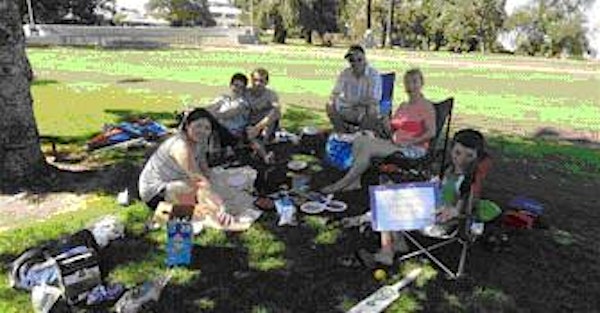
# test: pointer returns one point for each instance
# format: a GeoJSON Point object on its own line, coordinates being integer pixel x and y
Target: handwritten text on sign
{"type": "Point", "coordinates": [403, 206]}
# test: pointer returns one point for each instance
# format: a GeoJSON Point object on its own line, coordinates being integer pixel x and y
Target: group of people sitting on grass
{"type": "Point", "coordinates": [178, 171]}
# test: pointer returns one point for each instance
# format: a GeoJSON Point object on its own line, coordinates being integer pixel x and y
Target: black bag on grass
{"type": "Point", "coordinates": [71, 262]}
{"type": "Point", "coordinates": [269, 179]}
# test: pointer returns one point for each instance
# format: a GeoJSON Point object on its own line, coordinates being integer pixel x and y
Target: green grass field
{"type": "Point", "coordinates": [81, 89]}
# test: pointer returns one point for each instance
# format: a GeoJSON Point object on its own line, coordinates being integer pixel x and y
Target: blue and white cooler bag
{"type": "Point", "coordinates": [338, 151]}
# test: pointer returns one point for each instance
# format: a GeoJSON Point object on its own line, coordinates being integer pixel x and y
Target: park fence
{"type": "Point", "coordinates": [139, 36]}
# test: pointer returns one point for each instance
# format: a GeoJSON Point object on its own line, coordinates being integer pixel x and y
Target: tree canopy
{"type": "Point", "coordinates": [183, 12]}
{"type": "Point", "coordinates": [551, 27]}
{"type": "Point", "coordinates": [542, 27]}
{"type": "Point", "coordinates": [64, 11]}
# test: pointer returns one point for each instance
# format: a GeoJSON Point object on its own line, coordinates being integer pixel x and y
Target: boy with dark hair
{"type": "Point", "coordinates": [232, 111]}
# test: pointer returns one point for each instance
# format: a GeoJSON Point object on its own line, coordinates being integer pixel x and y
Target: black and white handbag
{"type": "Point", "coordinates": [79, 272]}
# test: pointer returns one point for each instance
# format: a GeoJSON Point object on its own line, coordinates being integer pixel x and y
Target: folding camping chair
{"type": "Point", "coordinates": [387, 93]}
{"type": "Point", "coordinates": [423, 167]}
{"type": "Point", "coordinates": [387, 97]}
{"type": "Point", "coordinates": [462, 232]}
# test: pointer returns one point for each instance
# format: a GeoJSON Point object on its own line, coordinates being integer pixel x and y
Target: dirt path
{"type": "Point", "coordinates": [17, 210]}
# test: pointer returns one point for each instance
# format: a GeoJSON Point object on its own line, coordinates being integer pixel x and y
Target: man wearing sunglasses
{"type": "Point", "coordinates": [354, 101]}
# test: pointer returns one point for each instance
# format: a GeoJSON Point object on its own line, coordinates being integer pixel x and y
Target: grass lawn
{"type": "Point", "coordinates": [89, 88]}
{"type": "Point", "coordinates": [78, 90]}
{"type": "Point", "coordinates": [90, 84]}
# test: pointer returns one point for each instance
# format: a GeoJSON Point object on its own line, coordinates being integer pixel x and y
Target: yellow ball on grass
{"type": "Point", "coordinates": [379, 274]}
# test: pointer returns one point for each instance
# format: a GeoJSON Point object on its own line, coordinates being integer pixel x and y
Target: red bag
{"type": "Point", "coordinates": [520, 219]}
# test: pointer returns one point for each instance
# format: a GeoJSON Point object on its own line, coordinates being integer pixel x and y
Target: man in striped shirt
{"type": "Point", "coordinates": [354, 101]}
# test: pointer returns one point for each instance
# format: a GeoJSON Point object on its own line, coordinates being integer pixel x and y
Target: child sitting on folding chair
{"type": "Point", "coordinates": [469, 166]}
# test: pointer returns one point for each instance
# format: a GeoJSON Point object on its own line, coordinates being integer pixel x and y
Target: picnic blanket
{"type": "Point", "coordinates": [112, 134]}
{"type": "Point", "coordinates": [234, 186]}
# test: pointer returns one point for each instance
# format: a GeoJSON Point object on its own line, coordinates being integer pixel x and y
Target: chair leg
{"type": "Point", "coordinates": [432, 257]}
{"type": "Point", "coordinates": [430, 248]}
{"type": "Point", "coordinates": [463, 258]}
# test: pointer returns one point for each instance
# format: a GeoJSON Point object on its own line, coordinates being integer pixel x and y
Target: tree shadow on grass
{"type": "Point", "coordinates": [312, 281]}
{"type": "Point", "coordinates": [128, 115]}
{"type": "Point", "coordinates": [80, 179]}
{"type": "Point", "coordinates": [65, 140]}
{"type": "Point", "coordinates": [228, 284]}
{"type": "Point", "coordinates": [109, 179]}
{"type": "Point", "coordinates": [71, 172]}
{"type": "Point", "coordinates": [122, 116]}
{"type": "Point", "coordinates": [581, 139]}
{"type": "Point", "coordinates": [297, 117]}
{"type": "Point", "coordinates": [562, 154]}
{"type": "Point", "coordinates": [130, 249]}
{"type": "Point", "coordinates": [44, 82]}
{"type": "Point", "coordinates": [131, 115]}
{"type": "Point", "coordinates": [132, 80]}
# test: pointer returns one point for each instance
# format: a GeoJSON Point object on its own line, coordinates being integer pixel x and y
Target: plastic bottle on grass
{"type": "Point", "coordinates": [286, 209]}
{"type": "Point", "coordinates": [477, 228]}
{"type": "Point", "coordinates": [140, 298]}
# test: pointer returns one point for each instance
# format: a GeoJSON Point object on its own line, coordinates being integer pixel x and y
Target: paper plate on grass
{"type": "Point", "coordinates": [312, 207]}
{"type": "Point", "coordinates": [310, 130]}
{"type": "Point", "coordinates": [297, 165]}
{"type": "Point", "coordinates": [336, 206]}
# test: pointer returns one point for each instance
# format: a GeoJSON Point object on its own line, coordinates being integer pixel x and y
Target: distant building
{"type": "Point", "coordinates": [135, 12]}
{"type": "Point", "coordinates": [224, 13]}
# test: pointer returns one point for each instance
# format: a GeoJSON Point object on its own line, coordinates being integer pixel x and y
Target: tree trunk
{"type": "Point", "coordinates": [368, 14]}
{"type": "Point", "coordinates": [308, 35]}
{"type": "Point", "coordinates": [21, 159]}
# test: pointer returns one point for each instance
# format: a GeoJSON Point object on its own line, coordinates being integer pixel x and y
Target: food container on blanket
{"type": "Point", "coordinates": [338, 152]}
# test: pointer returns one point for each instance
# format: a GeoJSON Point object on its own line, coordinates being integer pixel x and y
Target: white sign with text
{"type": "Point", "coordinates": [403, 206]}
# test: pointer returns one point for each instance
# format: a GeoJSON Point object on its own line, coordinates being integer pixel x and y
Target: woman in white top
{"type": "Point", "coordinates": [178, 173]}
